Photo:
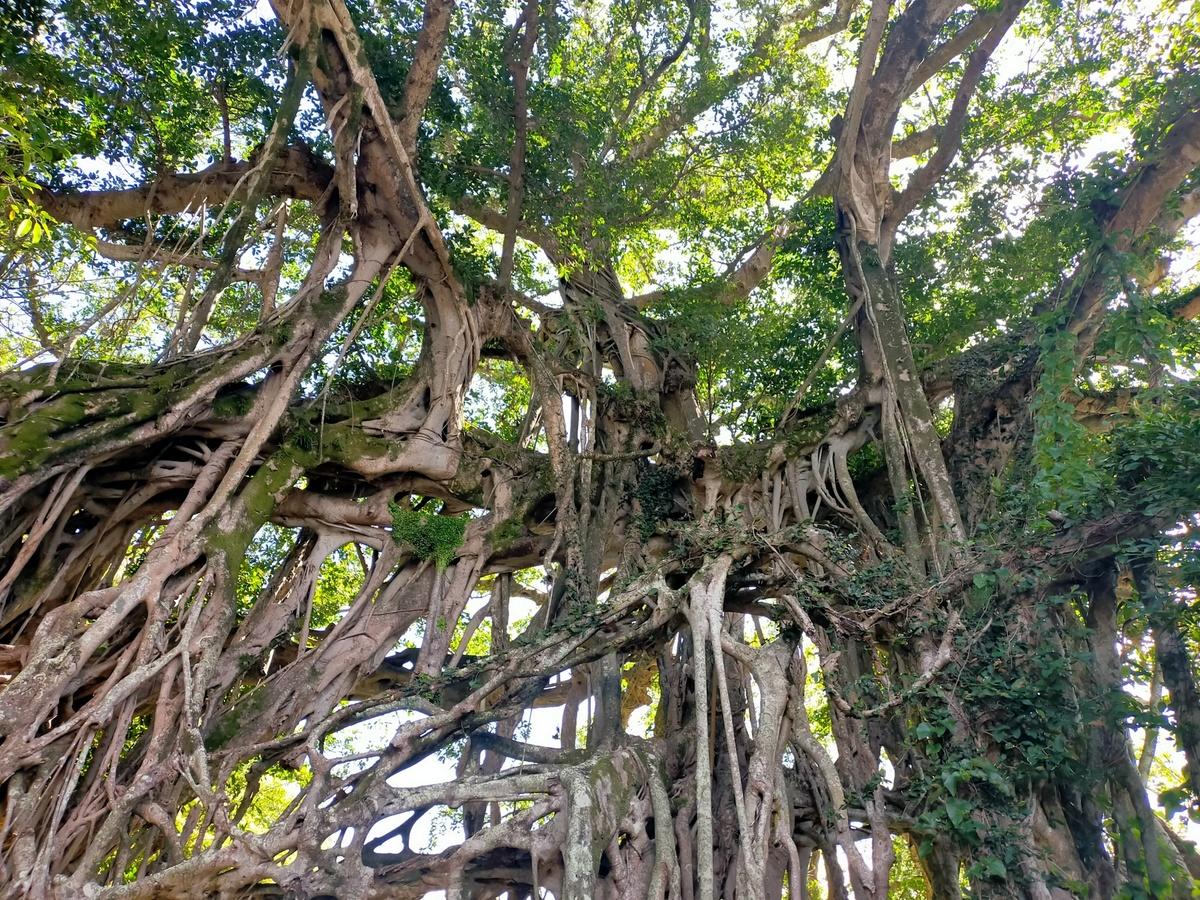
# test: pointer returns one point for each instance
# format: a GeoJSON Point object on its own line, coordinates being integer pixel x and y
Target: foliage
{"type": "Point", "coordinates": [1063, 449]}
{"type": "Point", "coordinates": [1026, 724]}
{"type": "Point", "coordinates": [1152, 462]}
{"type": "Point", "coordinates": [655, 495]}
{"type": "Point", "coordinates": [943, 514]}
{"type": "Point", "coordinates": [431, 535]}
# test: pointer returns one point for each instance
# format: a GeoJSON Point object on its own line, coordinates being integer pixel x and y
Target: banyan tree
{"type": "Point", "coordinates": [793, 404]}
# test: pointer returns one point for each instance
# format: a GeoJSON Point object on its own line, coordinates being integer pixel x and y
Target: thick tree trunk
{"type": "Point", "coordinates": [852, 675]}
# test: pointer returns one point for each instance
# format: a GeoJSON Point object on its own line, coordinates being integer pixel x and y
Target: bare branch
{"type": "Point", "coordinates": [297, 174]}
{"type": "Point", "coordinates": [141, 254]}
{"type": "Point", "coordinates": [422, 74]}
{"type": "Point", "coordinates": [518, 67]}
{"type": "Point", "coordinates": [921, 181]}
{"type": "Point", "coordinates": [740, 278]}
{"type": "Point", "coordinates": [941, 56]}
{"type": "Point", "coordinates": [868, 54]}
{"type": "Point", "coordinates": [498, 222]}
{"type": "Point", "coordinates": [917, 142]}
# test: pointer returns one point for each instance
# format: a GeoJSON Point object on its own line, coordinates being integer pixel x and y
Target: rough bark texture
{"type": "Point", "coordinates": [142, 704]}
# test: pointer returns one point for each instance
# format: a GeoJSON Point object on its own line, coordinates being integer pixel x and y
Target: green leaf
{"type": "Point", "coordinates": [958, 810]}
{"type": "Point", "coordinates": [993, 868]}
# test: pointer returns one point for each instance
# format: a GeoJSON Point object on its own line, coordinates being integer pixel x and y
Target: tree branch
{"type": "Point", "coordinates": [422, 74]}
{"type": "Point", "coordinates": [498, 222]}
{"type": "Point", "coordinates": [749, 67]}
{"type": "Point", "coordinates": [298, 174]}
{"type": "Point", "coordinates": [941, 56]}
{"type": "Point", "coordinates": [1140, 215]}
{"type": "Point", "coordinates": [951, 138]}
{"type": "Point", "coordinates": [141, 254]}
{"type": "Point", "coordinates": [518, 67]}
{"type": "Point", "coordinates": [650, 79]}
{"type": "Point", "coordinates": [917, 142]}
